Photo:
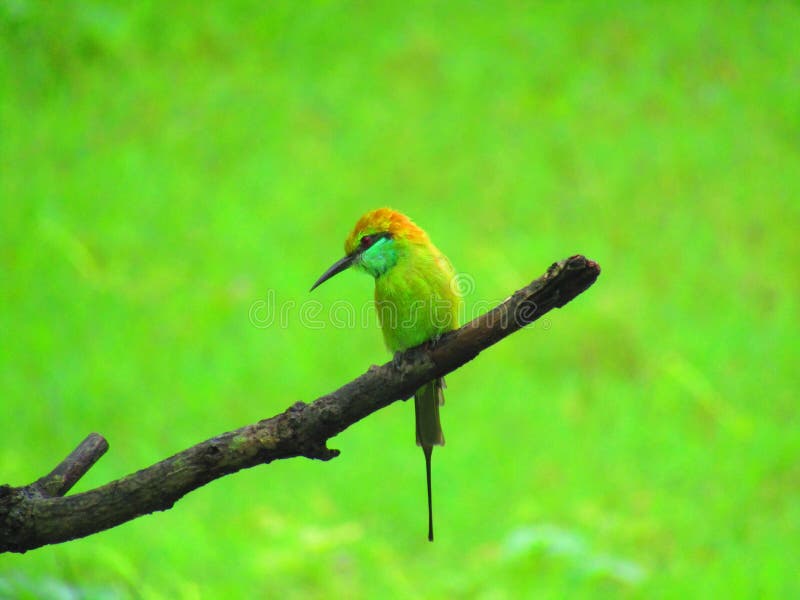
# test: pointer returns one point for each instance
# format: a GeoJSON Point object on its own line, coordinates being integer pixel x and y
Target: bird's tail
{"type": "Point", "coordinates": [427, 401]}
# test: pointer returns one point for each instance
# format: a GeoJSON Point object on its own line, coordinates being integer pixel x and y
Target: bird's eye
{"type": "Point", "coordinates": [366, 240]}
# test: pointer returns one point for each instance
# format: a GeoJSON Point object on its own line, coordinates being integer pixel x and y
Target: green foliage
{"type": "Point", "coordinates": [166, 166]}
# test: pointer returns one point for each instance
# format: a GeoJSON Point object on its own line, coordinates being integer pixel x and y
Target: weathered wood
{"type": "Point", "coordinates": [40, 514]}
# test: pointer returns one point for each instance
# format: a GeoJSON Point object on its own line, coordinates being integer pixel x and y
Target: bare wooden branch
{"type": "Point", "coordinates": [39, 514]}
{"type": "Point", "coordinates": [61, 479]}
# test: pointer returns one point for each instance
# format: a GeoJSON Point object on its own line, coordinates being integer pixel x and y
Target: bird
{"type": "Point", "coordinates": [417, 300]}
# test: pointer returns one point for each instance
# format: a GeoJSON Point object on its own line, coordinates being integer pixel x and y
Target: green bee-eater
{"type": "Point", "coordinates": [417, 299]}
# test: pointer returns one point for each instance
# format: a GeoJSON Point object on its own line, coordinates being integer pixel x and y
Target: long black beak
{"type": "Point", "coordinates": [336, 268]}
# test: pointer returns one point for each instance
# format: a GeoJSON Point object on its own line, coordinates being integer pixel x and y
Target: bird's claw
{"type": "Point", "coordinates": [397, 359]}
{"type": "Point", "coordinates": [431, 343]}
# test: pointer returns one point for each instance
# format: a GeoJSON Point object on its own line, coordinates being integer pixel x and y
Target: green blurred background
{"type": "Point", "coordinates": [164, 167]}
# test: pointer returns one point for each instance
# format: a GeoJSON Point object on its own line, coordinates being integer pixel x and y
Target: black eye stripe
{"type": "Point", "coordinates": [370, 239]}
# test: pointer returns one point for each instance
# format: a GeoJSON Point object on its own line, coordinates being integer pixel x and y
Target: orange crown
{"type": "Point", "coordinates": [385, 220]}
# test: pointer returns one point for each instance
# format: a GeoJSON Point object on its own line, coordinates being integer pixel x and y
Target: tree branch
{"type": "Point", "coordinates": [39, 514]}
{"type": "Point", "coordinates": [61, 479]}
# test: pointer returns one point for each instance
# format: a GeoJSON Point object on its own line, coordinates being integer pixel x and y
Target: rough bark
{"type": "Point", "coordinates": [39, 514]}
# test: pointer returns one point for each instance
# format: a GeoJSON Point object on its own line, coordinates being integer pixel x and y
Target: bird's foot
{"type": "Point", "coordinates": [431, 343]}
{"type": "Point", "coordinates": [397, 360]}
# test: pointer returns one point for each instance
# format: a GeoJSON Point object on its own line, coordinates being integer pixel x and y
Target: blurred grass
{"type": "Point", "coordinates": [162, 167]}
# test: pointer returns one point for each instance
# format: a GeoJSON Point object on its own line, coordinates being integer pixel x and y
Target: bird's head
{"type": "Point", "coordinates": [378, 240]}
